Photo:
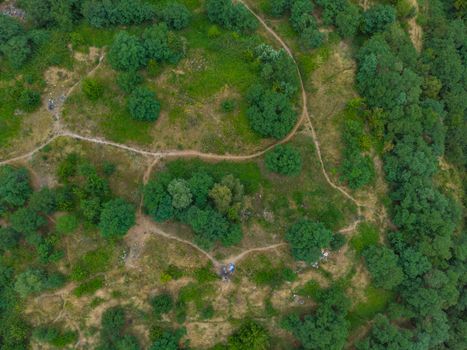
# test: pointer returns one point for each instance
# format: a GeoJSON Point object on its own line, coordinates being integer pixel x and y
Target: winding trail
{"type": "Point", "coordinates": [59, 131]}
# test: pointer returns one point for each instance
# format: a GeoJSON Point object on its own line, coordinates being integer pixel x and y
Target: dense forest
{"type": "Point", "coordinates": [410, 113]}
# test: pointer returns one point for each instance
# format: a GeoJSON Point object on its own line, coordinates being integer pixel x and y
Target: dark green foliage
{"type": "Point", "coordinates": [16, 51]}
{"type": "Point", "coordinates": [384, 336]}
{"type": "Point", "coordinates": [43, 201]}
{"type": "Point", "coordinates": [143, 105]}
{"type": "Point", "coordinates": [338, 240]}
{"type": "Point", "coordinates": [93, 89]}
{"type": "Point", "coordinates": [200, 184]}
{"type": "Point", "coordinates": [330, 9]}
{"type": "Point", "coordinates": [55, 336]}
{"type": "Point", "coordinates": [270, 113]}
{"type": "Point", "coordinates": [127, 53]}
{"type": "Point", "coordinates": [157, 201]}
{"type": "Point", "coordinates": [112, 324]}
{"type": "Point", "coordinates": [307, 238]}
{"type": "Point", "coordinates": [383, 266]}
{"type": "Point", "coordinates": [377, 18]}
{"type": "Point", "coordinates": [30, 100]}
{"type": "Point", "coordinates": [168, 340]}
{"type": "Point", "coordinates": [278, 7]}
{"type": "Point", "coordinates": [162, 304]}
{"type": "Point", "coordinates": [161, 45]}
{"type": "Point", "coordinates": [274, 276]}
{"type": "Point", "coordinates": [231, 16]}
{"type": "Point", "coordinates": [9, 28]}
{"type": "Point", "coordinates": [348, 21]}
{"type": "Point", "coordinates": [68, 167]}
{"type": "Point", "coordinates": [304, 23]}
{"type": "Point", "coordinates": [116, 218]}
{"type": "Point", "coordinates": [35, 281]}
{"type": "Point", "coordinates": [26, 221]}
{"type": "Point", "coordinates": [228, 105]}
{"type": "Point", "coordinates": [9, 239]}
{"type": "Point", "coordinates": [89, 287]}
{"type": "Point", "coordinates": [176, 15]}
{"type": "Point", "coordinates": [249, 336]}
{"type": "Point", "coordinates": [116, 12]}
{"type": "Point", "coordinates": [128, 81]}
{"type": "Point", "coordinates": [327, 327]}
{"type": "Point", "coordinates": [14, 186]}
{"type": "Point", "coordinates": [284, 159]}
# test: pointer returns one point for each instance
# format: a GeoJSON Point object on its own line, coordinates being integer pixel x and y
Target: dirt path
{"type": "Point", "coordinates": [415, 31]}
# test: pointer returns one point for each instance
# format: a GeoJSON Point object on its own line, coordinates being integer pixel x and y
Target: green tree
{"type": "Point", "coordinates": [66, 224]}
{"type": "Point", "coordinates": [270, 113]}
{"type": "Point", "coordinates": [180, 192]}
{"type": "Point", "coordinates": [128, 81]}
{"type": "Point", "coordinates": [162, 304]}
{"type": "Point", "coordinates": [17, 50]}
{"type": "Point", "coordinates": [112, 324]}
{"type": "Point", "coordinates": [284, 159]}
{"type": "Point", "coordinates": [9, 28]}
{"type": "Point", "coordinates": [200, 183]}
{"type": "Point", "coordinates": [143, 105]}
{"type": "Point", "coordinates": [378, 18]}
{"type": "Point", "coordinates": [307, 238]}
{"type": "Point", "coordinates": [348, 21]}
{"type": "Point", "coordinates": [383, 266]}
{"type": "Point", "coordinates": [168, 340]}
{"type": "Point", "coordinates": [250, 336]}
{"type": "Point", "coordinates": [157, 201]}
{"type": "Point", "coordinates": [127, 53]}
{"type": "Point", "coordinates": [116, 218]}
{"type": "Point", "coordinates": [9, 239]}
{"type": "Point", "coordinates": [176, 15]}
{"type": "Point", "coordinates": [161, 45]}
{"type": "Point", "coordinates": [43, 201]}
{"type": "Point", "coordinates": [26, 220]}
{"type": "Point", "coordinates": [231, 16]}
{"type": "Point", "coordinates": [30, 282]}
{"type": "Point", "coordinates": [14, 186]}
{"type": "Point", "coordinates": [30, 100]}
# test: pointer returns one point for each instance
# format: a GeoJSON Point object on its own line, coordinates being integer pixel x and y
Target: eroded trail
{"type": "Point", "coordinates": [146, 224]}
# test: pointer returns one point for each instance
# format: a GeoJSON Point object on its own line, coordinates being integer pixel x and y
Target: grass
{"type": "Point", "coordinates": [366, 236]}
{"type": "Point", "coordinates": [93, 262]}
{"type": "Point", "coordinates": [376, 301]}
{"type": "Point", "coordinates": [89, 287]}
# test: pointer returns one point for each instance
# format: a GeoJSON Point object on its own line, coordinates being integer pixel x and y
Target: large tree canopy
{"type": "Point", "coordinates": [117, 217]}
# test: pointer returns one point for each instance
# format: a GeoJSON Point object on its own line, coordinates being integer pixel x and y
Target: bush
{"type": "Point", "coordinates": [176, 15]}
{"type": "Point", "coordinates": [284, 159]}
{"type": "Point", "coordinates": [116, 218]}
{"type": "Point", "coordinates": [337, 242]}
{"type": "Point", "coordinates": [92, 88]}
{"type": "Point", "coordinates": [143, 105]}
{"type": "Point", "coordinates": [30, 100]}
{"type": "Point", "coordinates": [128, 81]}
{"type": "Point", "coordinates": [162, 304]}
{"type": "Point", "coordinates": [55, 336]}
{"type": "Point", "coordinates": [89, 287]}
{"type": "Point", "coordinates": [228, 105]}
{"type": "Point", "coordinates": [250, 336]}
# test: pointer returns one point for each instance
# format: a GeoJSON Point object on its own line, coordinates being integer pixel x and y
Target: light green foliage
{"type": "Point", "coordinates": [143, 105]}
{"type": "Point", "coordinates": [367, 235]}
{"type": "Point", "coordinates": [249, 336]}
{"type": "Point", "coordinates": [128, 81]}
{"type": "Point", "coordinates": [117, 217]}
{"type": "Point", "coordinates": [93, 89]}
{"type": "Point", "coordinates": [89, 287]}
{"type": "Point", "coordinates": [222, 197]}
{"type": "Point", "coordinates": [284, 159]}
{"type": "Point", "coordinates": [92, 262]}
{"type": "Point", "coordinates": [180, 192]}
{"type": "Point", "coordinates": [307, 238]}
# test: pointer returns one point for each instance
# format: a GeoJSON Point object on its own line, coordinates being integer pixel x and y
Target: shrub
{"type": "Point", "coordinates": [162, 304]}
{"type": "Point", "coordinates": [128, 81]}
{"type": "Point", "coordinates": [30, 100]}
{"type": "Point", "coordinates": [250, 336]}
{"type": "Point", "coordinates": [284, 159]}
{"type": "Point", "coordinates": [89, 287]}
{"type": "Point", "coordinates": [228, 105]}
{"type": "Point", "coordinates": [337, 242]}
{"type": "Point", "coordinates": [176, 15]}
{"type": "Point", "coordinates": [92, 88]}
{"type": "Point", "coordinates": [117, 217]}
{"type": "Point", "coordinates": [143, 105]}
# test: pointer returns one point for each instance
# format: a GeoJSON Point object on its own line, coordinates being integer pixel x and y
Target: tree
{"type": "Point", "coordinates": [162, 304]}
{"type": "Point", "coordinates": [250, 336]}
{"type": "Point", "coordinates": [176, 15]}
{"type": "Point", "coordinates": [92, 88]}
{"type": "Point", "coordinates": [383, 266]}
{"type": "Point", "coordinates": [307, 238]}
{"type": "Point", "coordinates": [222, 197]}
{"type": "Point", "coordinates": [270, 113]}
{"type": "Point", "coordinates": [168, 340]}
{"type": "Point", "coordinates": [284, 159]}
{"type": "Point", "coordinates": [327, 327]}
{"type": "Point", "coordinates": [338, 241]}
{"type": "Point", "coordinates": [278, 7]}
{"type": "Point", "coordinates": [116, 218]}
{"type": "Point", "coordinates": [200, 183]}
{"type": "Point", "coordinates": [157, 201]}
{"type": "Point", "coordinates": [300, 15]}
{"type": "Point", "coordinates": [330, 9]}
{"type": "Point", "coordinates": [9, 239]}
{"type": "Point", "coordinates": [143, 105]}
{"type": "Point", "coordinates": [128, 81]}
{"type": "Point", "coordinates": [384, 335]}
{"type": "Point", "coordinates": [348, 21]}
{"type": "Point", "coordinates": [9, 28]}
{"type": "Point", "coordinates": [378, 18]}
{"type": "Point", "coordinates": [311, 38]}
{"type": "Point", "coordinates": [30, 282]}
{"type": "Point", "coordinates": [161, 45]}
{"type": "Point", "coordinates": [127, 53]}
{"type": "Point", "coordinates": [43, 201]}
{"type": "Point", "coordinates": [180, 192]}
{"type": "Point", "coordinates": [233, 17]}
{"type": "Point", "coordinates": [30, 100]}
{"type": "Point", "coordinates": [16, 51]}
{"type": "Point", "coordinates": [112, 323]}
{"type": "Point", "coordinates": [14, 186]}
{"type": "Point", "coordinates": [26, 220]}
